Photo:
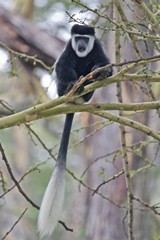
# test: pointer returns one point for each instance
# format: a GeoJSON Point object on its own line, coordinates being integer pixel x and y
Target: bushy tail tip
{"type": "Point", "coordinates": [52, 202]}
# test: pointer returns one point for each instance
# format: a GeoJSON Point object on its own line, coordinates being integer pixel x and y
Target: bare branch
{"type": "Point", "coordinates": [14, 179]}
{"type": "Point", "coordinates": [18, 220]}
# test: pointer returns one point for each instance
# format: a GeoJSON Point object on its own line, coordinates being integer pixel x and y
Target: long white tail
{"type": "Point", "coordinates": [53, 198]}
{"type": "Point", "coordinates": [52, 202]}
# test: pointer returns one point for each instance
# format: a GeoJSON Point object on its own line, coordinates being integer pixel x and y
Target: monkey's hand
{"type": "Point", "coordinates": [103, 74]}
{"type": "Point", "coordinates": [71, 85]}
{"type": "Point", "coordinates": [109, 72]}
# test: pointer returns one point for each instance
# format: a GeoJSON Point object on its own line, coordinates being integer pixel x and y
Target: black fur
{"type": "Point", "coordinates": [82, 30]}
{"type": "Point", "coordinates": [70, 67]}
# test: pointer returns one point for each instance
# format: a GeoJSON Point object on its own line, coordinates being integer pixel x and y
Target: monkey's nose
{"type": "Point", "coordinates": [81, 49]}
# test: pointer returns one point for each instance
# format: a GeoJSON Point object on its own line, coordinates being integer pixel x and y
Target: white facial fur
{"type": "Point", "coordinates": [89, 47]}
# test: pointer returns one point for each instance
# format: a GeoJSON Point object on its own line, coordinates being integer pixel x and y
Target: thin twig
{"type": "Point", "coordinates": [14, 179]}
{"type": "Point", "coordinates": [65, 226]}
{"type": "Point", "coordinates": [25, 56]}
{"type": "Point", "coordinates": [7, 233]}
{"type": "Point", "coordinates": [152, 208]}
{"type": "Point", "coordinates": [107, 181]}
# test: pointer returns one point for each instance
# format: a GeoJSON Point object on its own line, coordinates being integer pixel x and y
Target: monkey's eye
{"type": "Point", "coordinates": [85, 39]}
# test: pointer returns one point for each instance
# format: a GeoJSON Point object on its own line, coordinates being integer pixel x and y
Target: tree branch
{"type": "Point", "coordinates": [14, 179]}
{"type": "Point", "coordinates": [128, 122]}
{"type": "Point", "coordinates": [7, 233]}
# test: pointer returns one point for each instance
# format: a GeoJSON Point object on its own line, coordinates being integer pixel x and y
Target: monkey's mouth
{"type": "Point", "coordinates": [81, 49]}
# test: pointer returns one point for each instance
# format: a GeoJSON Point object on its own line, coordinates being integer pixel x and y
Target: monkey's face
{"type": "Point", "coordinates": [82, 44]}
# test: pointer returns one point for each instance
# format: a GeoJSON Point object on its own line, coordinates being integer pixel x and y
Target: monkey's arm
{"type": "Point", "coordinates": [107, 73]}
{"type": "Point", "coordinates": [101, 60]}
{"type": "Point", "coordinates": [66, 77]}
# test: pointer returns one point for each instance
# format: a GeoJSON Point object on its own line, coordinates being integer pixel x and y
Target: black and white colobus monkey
{"type": "Point", "coordinates": [82, 55]}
